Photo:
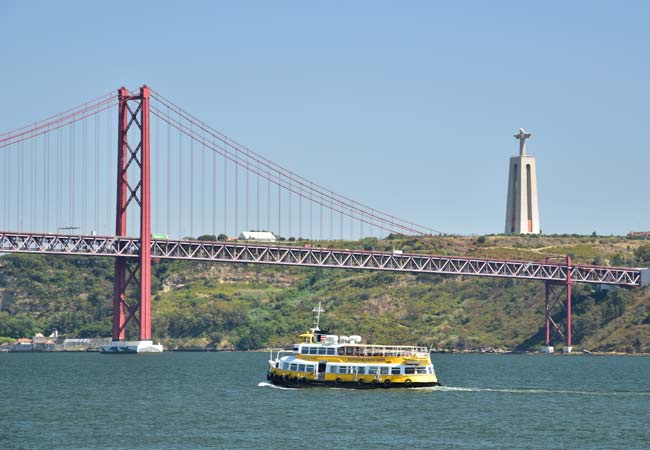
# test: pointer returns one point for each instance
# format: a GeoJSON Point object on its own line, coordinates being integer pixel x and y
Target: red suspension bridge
{"type": "Point", "coordinates": [179, 177]}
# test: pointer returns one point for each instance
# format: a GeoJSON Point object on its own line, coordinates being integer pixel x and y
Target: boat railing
{"type": "Point", "coordinates": [394, 350]}
{"type": "Point", "coordinates": [278, 352]}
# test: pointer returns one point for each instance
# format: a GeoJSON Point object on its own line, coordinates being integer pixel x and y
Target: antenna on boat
{"type": "Point", "coordinates": [317, 310]}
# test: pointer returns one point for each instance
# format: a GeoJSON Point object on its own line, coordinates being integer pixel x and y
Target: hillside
{"type": "Point", "coordinates": [248, 307]}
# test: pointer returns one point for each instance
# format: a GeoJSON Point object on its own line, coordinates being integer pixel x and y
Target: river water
{"type": "Point", "coordinates": [221, 401]}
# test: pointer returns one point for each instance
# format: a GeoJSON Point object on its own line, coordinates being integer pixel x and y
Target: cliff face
{"type": "Point", "coordinates": [247, 306]}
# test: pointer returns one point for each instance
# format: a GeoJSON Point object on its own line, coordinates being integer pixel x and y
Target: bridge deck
{"type": "Point", "coordinates": [254, 253]}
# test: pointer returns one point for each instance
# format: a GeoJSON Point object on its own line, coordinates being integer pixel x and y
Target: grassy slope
{"type": "Point", "coordinates": [234, 306]}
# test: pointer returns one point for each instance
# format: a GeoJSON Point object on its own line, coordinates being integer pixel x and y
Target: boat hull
{"type": "Point", "coordinates": [375, 384]}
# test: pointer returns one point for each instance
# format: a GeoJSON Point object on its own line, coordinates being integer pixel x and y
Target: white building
{"type": "Point", "coordinates": [261, 236]}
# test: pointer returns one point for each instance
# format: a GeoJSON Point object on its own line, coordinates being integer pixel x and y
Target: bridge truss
{"type": "Point", "coordinates": [285, 255]}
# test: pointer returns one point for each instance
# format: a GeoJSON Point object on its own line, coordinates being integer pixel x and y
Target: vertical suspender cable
{"type": "Point", "coordinates": [45, 180]}
{"type": "Point", "coordinates": [214, 190]}
{"type": "Point", "coordinates": [4, 195]}
{"type": "Point", "coordinates": [156, 176]}
{"type": "Point", "coordinates": [169, 174]}
{"type": "Point", "coordinates": [279, 208]}
{"type": "Point", "coordinates": [31, 184]}
{"type": "Point", "coordinates": [247, 224]}
{"type": "Point", "coordinates": [268, 201]}
{"type": "Point", "coordinates": [203, 223]}
{"type": "Point", "coordinates": [236, 198]}
{"type": "Point", "coordinates": [59, 177]}
{"type": "Point", "coordinates": [83, 189]}
{"type": "Point", "coordinates": [289, 195]}
{"type": "Point", "coordinates": [15, 176]}
{"type": "Point", "coordinates": [106, 220]}
{"type": "Point", "coordinates": [225, 191]}
{"type": "Point", "coordinates": [320, 234]}
{"type": "Point", "coordinates": [300, 212]}
{"type": "Point", "coordinates": [180, 212]}
{"type": "Point", "coordinates": [331, 220]}
{"type": "Point", "coordinates": [29, 147]}
{"type": "Point", "coordinates": [191, 181]}
{"type": "Point", "coordinates": [311, 216]}
{"type": "Point", "coordinates": [72, 175]}
{"type": "Point", "coordinates": [20, 205]}
{"type": "Point", "coordinates": [97, 153]}
{"type": "Point", "coordinates": [257, 206]}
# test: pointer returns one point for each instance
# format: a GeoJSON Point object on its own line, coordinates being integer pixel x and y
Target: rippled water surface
{"type": "Point", "coordinates": [221, 400]}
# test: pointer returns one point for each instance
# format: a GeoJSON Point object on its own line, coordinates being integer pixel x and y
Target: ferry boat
{"type": "Point", "coordinates": [323, 359]}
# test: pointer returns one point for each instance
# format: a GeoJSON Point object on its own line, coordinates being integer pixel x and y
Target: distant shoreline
{"type": "Point", "coordinates": [465, 352]}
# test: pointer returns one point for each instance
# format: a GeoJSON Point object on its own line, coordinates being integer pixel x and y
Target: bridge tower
{"type": "Point", "coordinates": [133, 157]}
{"type": "Point", "coordinates": [558, 293]}
{"type": "Point", "coordinates": [522, 212]}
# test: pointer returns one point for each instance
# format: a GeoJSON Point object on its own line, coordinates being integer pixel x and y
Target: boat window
{"type": "Point", "coordinates": [395, 371]}
{"type": "Point", "coordinates": [349, 351]}
{"type": "Point", "coordinates": [293, 367]}
{"type": "Point", "coordinates": [301, 367]}
{"type": "Point", "coordinates": [421, 370]}
{"type": "Point", "coordinates": [343, 369]}
{"type": "Point", "coordinates": [322, 350]}
{"type": "Point", "coordinates": [331, 351]}
{"type": "Point", "coordinates": [304, 350]}
{"type": "Point", "coordinates": [372, 370]}
{"type": "Point", "coordinates": [409, 370]}
{"type": "Point", "coordinates": [361, 370]}
{"type": "Point", "coordinates": [334, 369]}
{"type": "Point", "coordinates": [285, 366]}
{"type": "Point", "coordinates": [295, 348]}
{"type": "Point", "coordinates": [313, 350]}
{"type": "Point", "coordinates": [385, 370]}
{"type": "Point", "coordinates": [341, 350]}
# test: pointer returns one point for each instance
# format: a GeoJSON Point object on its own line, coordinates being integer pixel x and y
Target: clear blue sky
{"type": "Point", "coordinates": [409, 107]}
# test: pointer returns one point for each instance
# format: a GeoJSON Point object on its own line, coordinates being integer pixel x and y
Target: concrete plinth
{"type": "Point", "coordinates": [567, 349]}
{"type": "Point", "coordinates": [131, 347]}
{"type": "Point", "coordinates": [548, 349]}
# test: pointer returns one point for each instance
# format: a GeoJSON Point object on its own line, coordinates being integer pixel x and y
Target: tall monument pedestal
{"type": "Point", "coordinates": [522, 211]}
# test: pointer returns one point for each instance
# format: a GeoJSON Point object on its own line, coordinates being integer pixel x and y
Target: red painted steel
{"type": "Point", "coordinates": [547, 312]}
{"type": "Point", "coordinates": [139, 273]}
{"type": "Point", "coordinates": [145, 218]}
{"type": "Point", "coordinates": [119, 286]}
{"type": "Point", "coordinates": [559, 293]}
{"type": "Point", "coordinates": [568, 300]}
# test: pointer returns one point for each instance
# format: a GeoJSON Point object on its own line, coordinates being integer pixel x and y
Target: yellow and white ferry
{"type": "Point", "coordinates": [323, 359]}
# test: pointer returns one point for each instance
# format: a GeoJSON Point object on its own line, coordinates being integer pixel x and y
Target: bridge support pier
{"type": "Point", "coordinates": [133, 116]}
{"type": "Point", "coordinates": [554, 294]}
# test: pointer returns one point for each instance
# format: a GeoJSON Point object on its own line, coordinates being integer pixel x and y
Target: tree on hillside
{"type": "Point", "coordinates": [643, 253]}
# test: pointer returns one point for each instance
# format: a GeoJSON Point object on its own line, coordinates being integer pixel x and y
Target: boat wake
{"type": "Point", "coordinates": [271, 385]}
{"type": "Point", "coordinates": [541, 391]}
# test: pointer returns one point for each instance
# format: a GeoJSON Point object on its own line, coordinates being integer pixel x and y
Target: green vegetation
{"type": "Point", "coordinates": [246, 307]}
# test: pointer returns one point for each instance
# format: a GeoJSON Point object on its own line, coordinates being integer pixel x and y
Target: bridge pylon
{"type": "Point", "coordinates": [558, 293]}
{"type": "Point", "coordinates": [133, 157]}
